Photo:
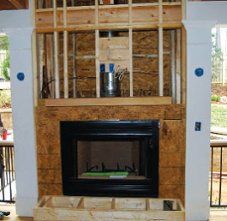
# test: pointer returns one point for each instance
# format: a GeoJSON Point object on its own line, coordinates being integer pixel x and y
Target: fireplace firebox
{"type": "Point", "coordinates": [110, 158]}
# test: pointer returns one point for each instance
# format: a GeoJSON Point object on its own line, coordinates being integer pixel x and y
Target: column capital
{"type": "Point", "coordinates": [198, 31]}
{"type": "Point", "coordinates": [199, 24]}
{"type": "Point", "coordinates": [13, 31]}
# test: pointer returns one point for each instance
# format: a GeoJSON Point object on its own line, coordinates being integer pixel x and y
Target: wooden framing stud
{"type": "Point", "coordinates": [97, 50]}
{"type": "Point", "coordinates": [178, 67]}
{"type": "Point", "coordinates": [173, 64]}
{"type": "Point", "coordinates": [131, 62]}
{"type": "Point", "coordinates": [160, 47]}
{"type": "Point", "coordinates": [183, 65]}
{"type": "Point", "coordinates": [40, 46]}
{"type": "Point", "coordinates": [66, 81]}
{"type": "Point", "coordinates": [97, 63]}
{"type": "Point", "coordinates": [35, 68]}
{"type": "Point", "coordinates": [56, 52]}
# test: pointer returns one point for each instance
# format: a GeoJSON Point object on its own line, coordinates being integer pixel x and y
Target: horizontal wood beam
{"type": "Point", "coordinates": [116, 101]}
{"type": "Point", "coordinates": [144, 16]}
{"type": "Point", "coordinates": [142, 26]}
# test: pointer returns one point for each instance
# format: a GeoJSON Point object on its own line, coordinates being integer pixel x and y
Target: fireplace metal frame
{"type": "Point", "coordinates": [147, 130]}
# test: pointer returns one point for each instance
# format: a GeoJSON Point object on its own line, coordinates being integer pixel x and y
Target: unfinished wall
{"type": "Point", "coordinates": [81, 59]}
{"type": "Point", "coordinates": [47, 3]}
{"type": "Point", "coordinates": [145, 63]}
{"type": "Point", "coordinates": [172, 142]}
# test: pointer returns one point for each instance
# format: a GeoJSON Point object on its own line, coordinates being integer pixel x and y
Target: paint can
{"type": "Point", "coordinates": [110, 85]}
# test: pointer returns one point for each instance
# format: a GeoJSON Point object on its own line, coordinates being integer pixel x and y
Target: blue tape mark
{"type": "Point", "coordinates": [20, 76]}
{"type": "Point", "coordinates": [199, 72]}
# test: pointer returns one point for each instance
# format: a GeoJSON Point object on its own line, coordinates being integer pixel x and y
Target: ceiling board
{"type": "Point", "coordinates": [13, 4]}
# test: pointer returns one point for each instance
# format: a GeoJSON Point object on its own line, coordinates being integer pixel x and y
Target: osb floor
{"type": "Point", "coordinates": [216, 215]}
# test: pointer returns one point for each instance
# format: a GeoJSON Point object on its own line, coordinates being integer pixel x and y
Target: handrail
{"type": "Point", "coordinates": [217, 173]}
{"type": "Point", "coordinates": [218, 143]}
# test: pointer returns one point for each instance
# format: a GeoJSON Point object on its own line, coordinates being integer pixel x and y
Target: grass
{"type": "Point", "coordinates": [219, 115]}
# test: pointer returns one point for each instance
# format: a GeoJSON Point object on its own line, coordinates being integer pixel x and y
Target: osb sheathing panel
{"type": "Point", "coordinates": [172, 142]}
{"type": "Point", "coordinates": [91, 2]}
{"type": "Point", "coordinates": [145, 69]}
{"type": "Point", "coordinates": [172, 159]}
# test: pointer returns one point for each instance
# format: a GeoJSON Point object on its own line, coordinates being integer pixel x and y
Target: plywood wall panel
{"type": "Point", "coordinates": [172, 141]}
{"type": "Point", "coordinates": [145, 62]}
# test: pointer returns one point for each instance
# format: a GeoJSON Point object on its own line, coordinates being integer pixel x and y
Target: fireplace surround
{"type": "Point", "coordinates": [171, 158]}
{"type": "Point", "coordinates": [110, 158]}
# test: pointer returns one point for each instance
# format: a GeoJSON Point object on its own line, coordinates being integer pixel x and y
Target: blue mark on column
{"type": "Point", "coordinates": [199, 72]}
{"type": "Point", "coordinates": [20, 76]}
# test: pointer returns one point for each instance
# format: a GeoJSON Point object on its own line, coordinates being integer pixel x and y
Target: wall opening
{"type": "Point", "coordinates": [218, 168]}
{"type": "Point", "coordinates": [7, 169]}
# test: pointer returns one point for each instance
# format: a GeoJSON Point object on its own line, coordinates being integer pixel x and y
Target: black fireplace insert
{"type": "Point", "coordinates": [110, 158]}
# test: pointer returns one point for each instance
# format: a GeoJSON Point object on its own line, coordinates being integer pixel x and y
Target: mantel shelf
{"type": "Point", "coordinates": [117, 101]}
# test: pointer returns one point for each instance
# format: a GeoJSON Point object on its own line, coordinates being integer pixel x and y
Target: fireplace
{"type": "Point", "coordinates": [110, 158]}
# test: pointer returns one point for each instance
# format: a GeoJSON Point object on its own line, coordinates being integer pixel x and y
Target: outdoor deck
{"type": "Point", "coordinates": [218, 215]}
{"type": "Point", "coordinates": [12, 216]}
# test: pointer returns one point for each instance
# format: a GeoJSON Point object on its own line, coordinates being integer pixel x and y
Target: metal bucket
{"type": "Point", "coordinates": [110, 85]}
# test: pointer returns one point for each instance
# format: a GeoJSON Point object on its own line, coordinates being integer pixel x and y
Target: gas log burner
{"type": "Point", "coordinates": [110, 158]}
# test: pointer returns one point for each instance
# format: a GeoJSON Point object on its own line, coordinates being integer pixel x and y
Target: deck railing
{"type": "Point", "coordinates": [7, 172]}
{"type": "Point", "coordinates": [218, 173]}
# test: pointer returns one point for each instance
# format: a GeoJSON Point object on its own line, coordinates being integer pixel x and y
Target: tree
{"type": "Point", "coordinates": [4, 45]}
{"type": "Point", "coordinates": [217, 60]}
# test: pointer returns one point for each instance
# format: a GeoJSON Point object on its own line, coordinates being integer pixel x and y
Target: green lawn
{"type": "Point", "coordinates": [219, 115]}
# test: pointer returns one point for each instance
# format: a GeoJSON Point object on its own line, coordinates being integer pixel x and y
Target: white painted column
{"type": "Point", "coordinates": [23, 120]}
{"type": "Point", "coordinates": [198, 110]}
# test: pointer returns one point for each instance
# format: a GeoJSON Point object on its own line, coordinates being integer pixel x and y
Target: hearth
{"type": "Point", "coordinates": [110, 158]}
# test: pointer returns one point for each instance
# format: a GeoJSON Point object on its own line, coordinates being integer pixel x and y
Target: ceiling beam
{"type": "Point", "coordinates": [17, 4]}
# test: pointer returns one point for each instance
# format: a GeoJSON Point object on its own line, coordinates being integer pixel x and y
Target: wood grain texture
{"type": "Point", "coordinates": [115, 101]}
{"type": "Point", "coordinates": [145, 62]}
{"type": "Point", "coordinates": [110, 17]}
{"type": "Point", "coordinates": [13, 4]}
{"type": "Point", "coordinates": [171, 147]}
{"type": "Point", "coordinates": [102, 209]}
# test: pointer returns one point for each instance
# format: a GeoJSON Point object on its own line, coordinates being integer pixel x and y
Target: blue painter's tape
{"type": "Point", "coordinates": [20, 76]}
{"type": "Point", "coordinates": [199, 72]}
{"type": "Point", "coordinates": [102, 68]}
{"type": "Point", "coordinates": [111, 68]}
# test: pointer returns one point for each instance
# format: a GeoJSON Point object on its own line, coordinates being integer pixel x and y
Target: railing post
{"type": "Point", "coordinates": [215, 146]}
{"type": "Point", "coordinates": [211, 181]}
{"type": "Point", "coordinates": [7, 192]}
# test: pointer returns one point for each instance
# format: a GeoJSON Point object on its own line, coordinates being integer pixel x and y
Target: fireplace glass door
{"type": "Point", "coordinates": [110, 158]}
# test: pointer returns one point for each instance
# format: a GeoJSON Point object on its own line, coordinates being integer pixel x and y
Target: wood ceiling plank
{"type": "Point", "coordinates": [5, 5]}
{"type": "Point", "coordinates": [13, 4]}
{"type": "Point", "coordinates": [17, 3]}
